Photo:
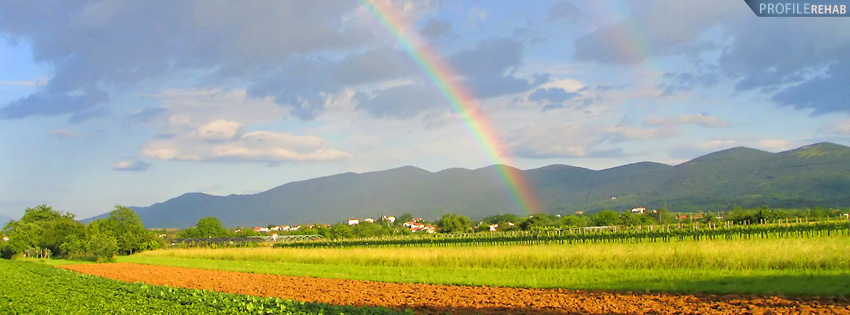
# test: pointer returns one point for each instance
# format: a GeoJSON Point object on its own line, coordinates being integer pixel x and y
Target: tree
{"type": "Point", "coordinates": [404, 218]}
{"type": "Point", "coordinates": [41, 227]}
{"type": "Point", "coordinates": [454, 223]}
{"type": "Point", "coordinates": [211, 227]}
{"type": "Point", "coordinates": [539, 221]}
{"type": "Point", "coordinates": [606, 218]}
{"type": "Point", "coordinates": [128, 230]}
{"type": "Point", "coordinates": [103, 246]}
{"type": "Point", "coordinates": [206, 227]}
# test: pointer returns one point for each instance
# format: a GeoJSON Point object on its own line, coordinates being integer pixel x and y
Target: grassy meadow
{"type": "Point", "coordinates": [811, 266]}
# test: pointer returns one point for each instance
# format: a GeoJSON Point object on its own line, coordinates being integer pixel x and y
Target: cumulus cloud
{"type": "Point", "coordinates": [655, 28]}
{"type": "Point", "coordinates": [403, 101]}
{"type": "Point", "coordinates": [133, 165]}
{"type": "Point", "coordinates": [488, 67]}
{"type": "Point", "coordinates": [552, 95]}
{"type": "Point", "coordinates": [625, 133]}
{"type": "Point", "coordinates": [87, 43]}
{"type": "Point", "coordinates": [792, 60]}
{"type": "Point", "coordinates": [219, 130]}
{"type": "Point", "coordinates": [699, 120]}
{"type": "Point", "coordinates": [257, 146]}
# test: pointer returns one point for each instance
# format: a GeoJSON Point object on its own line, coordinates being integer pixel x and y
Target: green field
{"type": "Point", "coordinates": [29, 287]}
{"type": "Point", "coordinates": [806, 266]}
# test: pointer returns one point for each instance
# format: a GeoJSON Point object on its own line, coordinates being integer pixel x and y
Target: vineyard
{"type": "Point", "coordinates": [605, 234]}
{"type": "Point", "coordinates": [33, 288]}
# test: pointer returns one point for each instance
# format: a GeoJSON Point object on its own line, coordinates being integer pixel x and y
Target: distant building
{"type": "Point", "coordinates": [390, 219]}
{"type": "Point", "coordinates": [261, 229]}
{"type": "Point", "coordinates": [353, 221]}
{"type": "Point", "coordinates": [639, 210]}
{"type": "Point", "coordinates": [579, 212]}
{"type": "Point", "coordinates": [5, 238]}
{"type": "Point", "coordinates": [493, 227]}
{"type": "Point", "coordinates": [370, 220]}
{"type": "Point", "coordinates": [417, 220]}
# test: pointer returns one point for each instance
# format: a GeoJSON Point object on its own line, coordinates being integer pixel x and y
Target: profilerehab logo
{"type": "Point", "coordinates": [800, 8]}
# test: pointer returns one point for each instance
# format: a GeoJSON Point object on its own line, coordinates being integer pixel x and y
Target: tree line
{"type": "Point", "coordinates": [44, 232]}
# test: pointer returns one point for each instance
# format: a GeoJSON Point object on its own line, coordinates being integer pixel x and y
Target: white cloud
{"type": "Point", "coordinates": [219, 130]}
{"type": "Point", "coordinates": [625, 133]}
{"type": "Point", "coordinates": [134, 165]}
{"type": "Point", "coordinates": [700, 120]}
{"type": "Point", "coordinates": [258, 146]}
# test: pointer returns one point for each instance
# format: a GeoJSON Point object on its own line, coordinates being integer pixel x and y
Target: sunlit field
{"type": "Point", "coordinates": [780, 266]}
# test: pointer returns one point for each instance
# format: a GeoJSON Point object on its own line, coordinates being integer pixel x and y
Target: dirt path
{"type": "Point", "coordinates": [442, 299]}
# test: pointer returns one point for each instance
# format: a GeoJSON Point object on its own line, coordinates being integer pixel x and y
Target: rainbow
{"type": "Point", "coordinates": [461, 99]}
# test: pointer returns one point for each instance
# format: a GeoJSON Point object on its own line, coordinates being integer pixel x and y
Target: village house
{"type": "Point", "coordinates": [261, 229]}
{"type": "Point", "coordinates": [370, 220]}
{"type": "Point", "coordinates": [390, 219]}
{"type": "Point", "coordinates": [417, 220]}
{"type": "Point", "coordinates": [285, 227]}
{"type": "Point", "coordinates": [423, 228]}
{"type": "Point", "coordinates": [353, 221]}
{"type": "Point", "coordinates": [5, 238]}
{"type": "Point", "coordinates": [295, 228]}
{"type": "Point", "coordinates": [639, 210]}
{"type": "Point", "coordinates": [275, 228]}
{"type": "Point", "coordinates": [493, 227]}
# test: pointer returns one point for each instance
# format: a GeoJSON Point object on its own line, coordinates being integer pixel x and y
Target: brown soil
{"type": "Point", "coordinates": [442, 299]}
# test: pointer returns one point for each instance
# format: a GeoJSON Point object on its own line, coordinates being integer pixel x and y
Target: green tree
{"type": "Point", "coordinates": [41, 227]}
{"type": "Point", "coordinates": [454, 223]}
{"type": "Point", "coordinates": [404, 218]}
{"type": "Point", "coordinates": [538, 221]}
{"type": "Point", "coordinates": [606, 218]}
{"type": "Point", "coordinates": [103, 246]}
{"type": "Point", "coordinates": [208, 227]}
{"type": "Point", "coordinates": [128, 230]}
{"type": "Point", "coordinates": [211, 227]}
{"type": "Point", "coordinates": [573, 221]}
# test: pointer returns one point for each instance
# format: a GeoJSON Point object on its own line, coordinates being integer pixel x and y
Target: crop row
{"type": "Point", "coordinates": [634, 234]}
{"type": "Point", "coordinates": [34, 288]}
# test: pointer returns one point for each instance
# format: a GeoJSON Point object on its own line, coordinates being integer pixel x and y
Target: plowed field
{"type": "Point", "coordinates": [442, 299]}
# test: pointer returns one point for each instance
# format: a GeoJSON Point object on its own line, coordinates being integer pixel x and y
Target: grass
{"type": "Point", "coordinates": [803, 267]}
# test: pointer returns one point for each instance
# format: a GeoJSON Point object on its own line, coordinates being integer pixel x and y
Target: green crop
{"type": "Point", "coordinates": [33, 288]}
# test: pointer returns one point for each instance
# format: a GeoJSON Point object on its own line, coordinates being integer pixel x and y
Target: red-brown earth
{"type": "Point", "coordinates": [448, 299]}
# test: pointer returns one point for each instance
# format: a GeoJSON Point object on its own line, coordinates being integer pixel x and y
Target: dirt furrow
{"type": "Point", "coordinates": [442, 299]}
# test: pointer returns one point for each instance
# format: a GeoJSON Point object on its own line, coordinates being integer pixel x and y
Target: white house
{"type": "Point", "coordinates": [353, 221]}
{"type": "Point", "coordinates": [390, 219]}
{"type": "Point", "coordinates": [370, 220]}
{"type": "Point", "coordinates": [5, 238]}
{"type": "Point", "coordinates": [639, 210]}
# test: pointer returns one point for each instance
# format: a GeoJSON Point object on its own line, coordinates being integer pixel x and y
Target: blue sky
{"type": "Point", "coordinates": [132, 103]}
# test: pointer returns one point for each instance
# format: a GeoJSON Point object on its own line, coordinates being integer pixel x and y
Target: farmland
{"type": "Point", "coordinates": [34, 288]}
{"type": "Point", "coordinates": [442, 299]}
{"type": "Point", "coordinates": [799, 266]}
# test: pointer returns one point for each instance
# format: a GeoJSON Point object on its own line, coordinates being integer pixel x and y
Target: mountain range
{"type": "Point", "coordinates": [813, 175]}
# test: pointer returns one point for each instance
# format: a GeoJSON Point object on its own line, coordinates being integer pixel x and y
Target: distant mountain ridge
{"type": "Point", "coordinates": [813, 175]}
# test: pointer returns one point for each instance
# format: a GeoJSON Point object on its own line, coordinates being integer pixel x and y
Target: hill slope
{"type": "Point", "coordinates": [814, 175]}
